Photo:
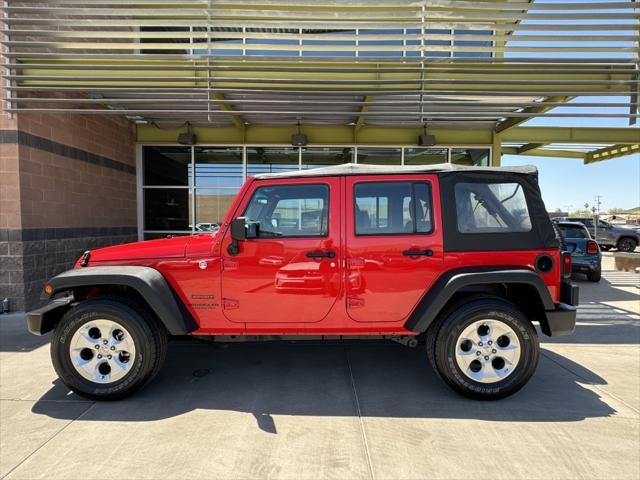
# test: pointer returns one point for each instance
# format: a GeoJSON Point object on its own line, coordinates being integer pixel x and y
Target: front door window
{"type": "Point", "coordinates": [290, 211]}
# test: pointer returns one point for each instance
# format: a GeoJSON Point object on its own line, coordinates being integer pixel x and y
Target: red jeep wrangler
{"type": "Point", "coordinates": [463, 260]}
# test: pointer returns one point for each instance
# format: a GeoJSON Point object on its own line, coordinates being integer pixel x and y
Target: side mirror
{"type": "Point", "coordinates": [238, 234]}
{"type": "Point", "coordinates": [239, 229]}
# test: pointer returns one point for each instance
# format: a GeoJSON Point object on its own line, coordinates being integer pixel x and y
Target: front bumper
{"type": "Point", "coordinates": [562, 320]}
{"type": "Point", "coordinates": [43, 319]}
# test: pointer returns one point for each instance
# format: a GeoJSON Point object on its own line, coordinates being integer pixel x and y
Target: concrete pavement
{"type": "Point", "coordinates": [368, 409]}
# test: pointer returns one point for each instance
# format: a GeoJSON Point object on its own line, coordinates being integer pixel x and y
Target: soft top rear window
{"type": "Point", "coordinates": [491, 208]}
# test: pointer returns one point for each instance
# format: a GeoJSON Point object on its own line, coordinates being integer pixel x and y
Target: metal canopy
{"type": "Point", "coordinates": [487, 65]}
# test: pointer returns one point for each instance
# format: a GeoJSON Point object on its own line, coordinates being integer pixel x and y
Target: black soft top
{"type": "Point", "coordinates": [367, 169]}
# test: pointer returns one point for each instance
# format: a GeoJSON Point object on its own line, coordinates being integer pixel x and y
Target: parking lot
{"type": "Point", "coordinates": [367, 409]}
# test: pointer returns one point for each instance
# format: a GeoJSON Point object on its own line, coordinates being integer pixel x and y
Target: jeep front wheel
{"type": "Point", "coordinates": [106, 348]}
{"type": "Point", "coordinates": [485, 349]}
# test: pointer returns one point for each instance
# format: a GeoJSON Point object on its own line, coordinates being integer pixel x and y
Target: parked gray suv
{"type": "Point", "coordinates": [610, 236]}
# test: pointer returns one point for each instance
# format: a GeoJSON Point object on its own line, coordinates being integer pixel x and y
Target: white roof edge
{"type": "Point", "coordinates": [367, 169]}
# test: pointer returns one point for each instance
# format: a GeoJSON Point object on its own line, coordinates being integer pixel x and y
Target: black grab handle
{"type": "Point", "coordinates": [417, 253]}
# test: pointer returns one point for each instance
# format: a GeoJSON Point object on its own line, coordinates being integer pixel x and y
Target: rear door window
{"type": "Point", "coordinates": [491, 208]}
{"type": "Point", "coordinates": [392, 208]}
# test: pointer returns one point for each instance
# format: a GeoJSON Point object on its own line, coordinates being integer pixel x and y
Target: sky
{"type": "Point", "coordinates": [568, 184]}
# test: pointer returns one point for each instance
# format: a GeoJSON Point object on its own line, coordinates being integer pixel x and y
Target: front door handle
{"type": "Point", "coordinates": [417, 253]}
{"type": "Point", "coordinates": [321, 254]}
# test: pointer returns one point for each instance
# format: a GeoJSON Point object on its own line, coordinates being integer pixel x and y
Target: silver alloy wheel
{"type": "Point", "coordinates": [102, 351]}
{"type": "Point", "coordinates": [488, 351]}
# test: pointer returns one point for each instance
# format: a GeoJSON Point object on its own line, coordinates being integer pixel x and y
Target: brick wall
{"type": "Point", "coordinates": [77, 171]}
{"type": "Point", "coordinates": [11, 269]}
{"type": "Point", "coordinates": [67, 184]}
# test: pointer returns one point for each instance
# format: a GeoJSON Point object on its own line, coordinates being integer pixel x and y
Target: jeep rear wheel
{"type": "Point", "coordinates": [627, 244]}
{"type": "Point", "coordinates": [485, 349]}
{"type": "Point", "coordinates": [106, 348]}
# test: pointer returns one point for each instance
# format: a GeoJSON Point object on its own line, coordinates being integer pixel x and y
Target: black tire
{"type": "Point", "coordinates": [148, 334]}
{"type": "Point", "coordinates": [605, 248]}
{"type": "Point", "coordinates": [627, 244]}
{"type": "Point", "coordinates": [442, 341]}
{"type": "Point", "coordinates": [595, 275]}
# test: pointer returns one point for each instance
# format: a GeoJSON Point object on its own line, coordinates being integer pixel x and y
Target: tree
{"type": "Point", "coordinates": [616, 211]}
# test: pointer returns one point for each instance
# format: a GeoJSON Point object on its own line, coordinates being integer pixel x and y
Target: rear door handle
{"type": "Point", "coordinates": [417, 253]}
{"type": "Point", "coordinates": [320, 254]}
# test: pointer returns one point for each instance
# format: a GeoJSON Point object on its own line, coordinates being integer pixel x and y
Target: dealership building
{"type": "Point", "coordinates": [129, 120]}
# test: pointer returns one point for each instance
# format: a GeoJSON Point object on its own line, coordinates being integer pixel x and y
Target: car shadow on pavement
{"type": "Point", "coordinates": [351, 378]}
{"type": "Point", "coordinates": [14, 336]}
{"type": "Point", "coordinates": [608, 289]}
{"type": "Point", "coordinates": [601, 319]}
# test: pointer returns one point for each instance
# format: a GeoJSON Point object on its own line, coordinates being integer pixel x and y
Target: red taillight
{"type": "Point", "coordinates": [592, 247]}
{"type": "Point", "coordinates": [566, 265]}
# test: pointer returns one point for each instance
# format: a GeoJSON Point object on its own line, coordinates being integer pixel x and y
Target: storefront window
{"type": "Point", "coordinates": [166, 209]}
{"type": "Point", "coordinates": [478, 157]}
{"type": "Point", "coordinates": [190, 189]}
{"type": "Point", "coordinates": [212, 204]}
{"type": "Point", "coordinates": [380, 156]}
{"type": "Point", "coordinates": [377, 42]}
{"type": "Point", "coordinates": [271, 159]}
{"type": "Point", "coordinates": [314, 157]}
{"type": "Point", "coordinates": [167, 166]}
{"type": "Point", "coordinates": [425, 156]}
{"type": "Point", "coordinates": [218, 167]}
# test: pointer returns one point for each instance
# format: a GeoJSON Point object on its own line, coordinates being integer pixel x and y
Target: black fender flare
{"type": "Point", "coordinates": [454, 280]}
{"type": "Point", "coordinates": [147, 281]}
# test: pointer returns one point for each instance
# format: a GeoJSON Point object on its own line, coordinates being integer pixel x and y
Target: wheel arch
{"type": "Point", "coordinates": [144, 284]}
{"type": "Point", "coordinates": [520, 286]}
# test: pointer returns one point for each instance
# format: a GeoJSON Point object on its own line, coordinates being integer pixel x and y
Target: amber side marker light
{"type": "Point", "coordinates": [48, 289]}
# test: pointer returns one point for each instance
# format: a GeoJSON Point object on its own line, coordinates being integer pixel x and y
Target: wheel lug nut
{"type": "Point", "coordinates": [486, 358]}
{"type": "Point", "coordinates": [113, 348]}
{"type": "Point", "coordinates": [480, 343]}
{"type": "Point", "coordinates": [489, 342]}
{"type": "Point", "coordinates": [104, 342]}
{"type": "Point", "coordinates": [109, 357]}
{"type": "Point", "coordinates": [99, 356]}
{"type": "Point", "coordinates": [478, 352]}
{"type": "Point", "coordinates": [97, 346]}
{"type": "Point", "coordinates": [493, 351]}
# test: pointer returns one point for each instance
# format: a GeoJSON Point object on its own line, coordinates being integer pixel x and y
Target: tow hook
{"type": "Point", "coordinates": [406, 340]}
